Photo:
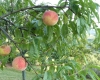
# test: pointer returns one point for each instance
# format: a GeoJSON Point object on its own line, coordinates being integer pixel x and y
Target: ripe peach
{"type": "Point", "coordinates": [19, 63]}
{"type": "Point", "coordinates": [50, 18]}
{"type": "Point", "coordinates": [5, 49]}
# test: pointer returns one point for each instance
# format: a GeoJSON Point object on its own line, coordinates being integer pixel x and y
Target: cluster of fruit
{"type": "Point", "coordinates": [50, 18]}
{"type": "Point", "coordinates": [18, 63]}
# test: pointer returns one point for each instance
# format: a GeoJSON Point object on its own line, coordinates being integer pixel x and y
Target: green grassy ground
{"type": "Point", "coordinates": [11, 74]}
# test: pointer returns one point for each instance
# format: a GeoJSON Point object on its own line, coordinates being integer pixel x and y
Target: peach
{"type": "Point", "coordinates": [5, 49]}
{"type": "Point", "coordinates": [50, 17]}
{"type": "Point", "coordinates": [19, 63]}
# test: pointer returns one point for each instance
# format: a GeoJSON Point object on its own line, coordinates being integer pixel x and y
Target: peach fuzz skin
{"type": "Point", "coordinates": [19, 63]}
{"type": "Point", "coordinates": [50, 18]}
{"type": "Point", "coordinates": [5, 50]}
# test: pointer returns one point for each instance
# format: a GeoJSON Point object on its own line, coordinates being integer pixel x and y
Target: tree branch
{"type": "Point", "coordinates": [39, 6]}
{"type": "Point", "coordinates": [65, 13]}
{"type": "Point", "coordinates": [10, 38]}
{"type": "Point", "coordinates": [31, 67]}
{"type": "Point", "coordinates": [8, 21]}
{"type": "Point", "coordinates": [71, 10]}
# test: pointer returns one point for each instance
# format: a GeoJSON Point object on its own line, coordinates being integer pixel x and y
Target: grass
{"type": "Point", "coordinates": [11, 74]}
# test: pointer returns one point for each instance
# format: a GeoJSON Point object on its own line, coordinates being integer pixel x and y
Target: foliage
{"type": "Point", "coordinates": [50, 47]}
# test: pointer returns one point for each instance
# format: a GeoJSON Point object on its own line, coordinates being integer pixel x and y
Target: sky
{"type": "Point", "coordinates": [48, 1]}
{"type": "Point", "coordinates": [98, 1]}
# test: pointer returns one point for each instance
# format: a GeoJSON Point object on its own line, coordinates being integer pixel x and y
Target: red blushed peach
{"type": "Point", "coordinates": [19, 63]}
{"type": "Point", "coordinates": [50, 18]}
{"type": "Point", "coordinates": [5, 50]}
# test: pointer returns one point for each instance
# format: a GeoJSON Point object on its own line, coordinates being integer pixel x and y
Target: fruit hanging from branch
{"type": "Point", "coordinates": [5, 49]}
{"type": "Point", "coordinates": [19, 63]}
{"type": "Point", "coordinates": [50, 18]}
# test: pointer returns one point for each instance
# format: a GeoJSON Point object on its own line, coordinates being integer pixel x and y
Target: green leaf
{"type": "Point", "coordinates": [45, 76]}
{"type": "Point", "coordinates": [68, 67]}
{"type": "Point", "coordinates": [64, 30]}
{"type": "Point", "coordinates": [78, 22]}
{"type": "Point", "coordinates": [50, 34]}
{"type": "Point", "coordinates": [35, 47]}
{"type": "Point", "coordinates": [91, 75]}
{"type": "Point", "coordinates": [95, 75]}
{"type": "Point", "coordinates": [74, 6]}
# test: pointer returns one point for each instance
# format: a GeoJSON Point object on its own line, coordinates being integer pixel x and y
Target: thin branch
{"type": "Point", "coordinates": [10, 38]}
{"type": "Point", "coordinates": [21, 28]}
{"type": "Point", "coordinates": [32, 67]}
{"type": "Point", "coordinates": [71, 10]}
{"type": "Point", "coordinates": [39, 6]}
{"type": "Point", "coordinates": [8, 21]}
{"type": "Point", "coordinates": [23, 52]}
{"type": "Point", "coordinates": [65, 13]}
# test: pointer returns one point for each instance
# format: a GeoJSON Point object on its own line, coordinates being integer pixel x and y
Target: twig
{"type": "Point", "coordinates": [71, 10]}
{"type": "Point", "coordinates": [8, 21]}
{"type": "Point", "coordinates": [32, 67]}
{"type": "Point", "coordinates": [21, 28]}
{"type": "Point", "coordinates": [65, 13]}
{"type": "Point", "coordinates": [10, 38]}
{"type": "Point", "coordinates": [39, 6]}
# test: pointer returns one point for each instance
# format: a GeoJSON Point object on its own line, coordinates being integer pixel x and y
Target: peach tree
{"type": "Point", "coordinates": [52, 37]}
